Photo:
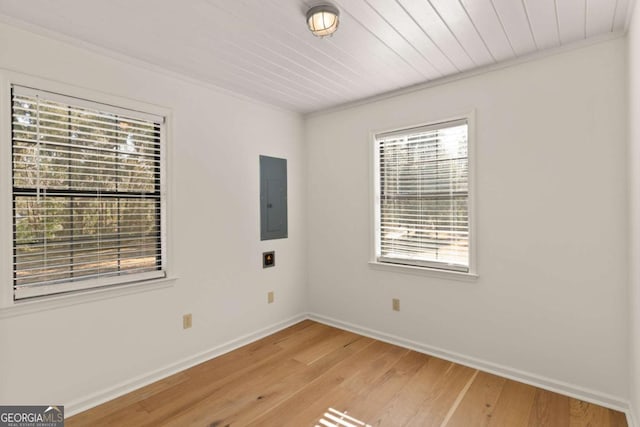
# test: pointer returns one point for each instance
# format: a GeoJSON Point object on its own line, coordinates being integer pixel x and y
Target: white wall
{"type": "Point", "coordinates": [65, 355]}
{"type": "Point", "coordinates": [634, 212]}
{"type": "Point", "coordinates": [551, 296]}
{"type": "Point", "coordinates": [551, 222]}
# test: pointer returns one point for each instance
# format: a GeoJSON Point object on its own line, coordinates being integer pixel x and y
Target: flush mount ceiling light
{"type": "Point", "coordinates": [323, 20]}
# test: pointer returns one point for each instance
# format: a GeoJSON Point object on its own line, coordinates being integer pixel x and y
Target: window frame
{"type": "Point", "coordinates": [104, 289]}
{"type": "Point", "coordinates": [374, 162]}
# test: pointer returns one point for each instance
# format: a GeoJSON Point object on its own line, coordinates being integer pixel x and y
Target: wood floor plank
{"type": "Point", "coordinates": [313, 399]}
{"type": "Point", "coordinates": [444, 393]}
{"type": "Point", "coordinates": [292, 377]}
{"type": "Point", "coordinates": [584, 414]}
{"type": "Point", "coordinates": [293, 340]}
{"type": "Point", "coordinates": [318, 350]}
{"type": "Point", "coordinates": [479, 402]}
{"type": "Point", "coordinates": [549, 410]}
{"type": "Point", "coordinates": [364, 378]}
{"type": "Point", "coordinates": [365, 403]}
{"type": "Point", "coordinates": [361, 394]}
{"type": "Point", "coordinates": [251, 396]}
{"type": "Point", "coordinates": [513, 407]}
{"type": "Point", "coordinates": [407, 402]}
{"type": "Point", "coordinates": [247, 395]}
{"type": "Point", "coordinates": [270, 394]}
{"type": "Point", "coordinates": [617, 419]}
{"type": "Point", "coordinates": [213, 379]}
{"type": "Point", "coordinates": [131, 415]}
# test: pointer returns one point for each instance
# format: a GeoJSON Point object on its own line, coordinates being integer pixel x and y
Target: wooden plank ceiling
{"type": "Point", "coordinates": [262, 48]}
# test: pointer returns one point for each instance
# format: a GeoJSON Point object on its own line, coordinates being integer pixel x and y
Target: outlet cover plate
{"type": "Point", "coordinates": [187, 321]}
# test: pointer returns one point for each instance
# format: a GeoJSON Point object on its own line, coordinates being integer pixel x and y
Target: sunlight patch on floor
{"type": "Point", "coordinates": [333, 418]}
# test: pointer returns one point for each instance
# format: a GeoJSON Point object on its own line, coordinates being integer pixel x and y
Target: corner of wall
{"type": "Point", "coordinates": [633, 102]}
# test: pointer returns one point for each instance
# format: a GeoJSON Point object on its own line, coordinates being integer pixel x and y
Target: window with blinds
{"type": "Point", "coordinates": [87, 200]}
{"type": "Point", "coordinates": [423, 191]}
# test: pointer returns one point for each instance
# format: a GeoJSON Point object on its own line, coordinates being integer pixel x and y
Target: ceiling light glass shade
{"type": "Point", "coordinates": [323, 20]}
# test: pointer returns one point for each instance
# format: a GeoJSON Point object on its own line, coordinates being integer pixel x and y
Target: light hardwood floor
{"type": "Point", "coordinates": [291, 378]}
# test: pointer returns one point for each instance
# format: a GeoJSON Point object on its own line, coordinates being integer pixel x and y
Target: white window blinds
{"type": "Point", "coordinates": [423, 213]}
{"type": "Point", "coordinates": [86, 194]}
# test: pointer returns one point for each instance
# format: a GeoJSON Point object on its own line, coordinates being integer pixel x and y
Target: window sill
{"type": "Point", "coordinates": [424, 271]}
{"type": "Point", "coordinates": [20, 308]}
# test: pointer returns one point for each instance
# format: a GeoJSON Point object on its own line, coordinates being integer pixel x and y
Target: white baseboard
{"type": "Point", "coordinates": [631, 418]}
{"type": "Point", "coordinates": [79, 405]}
{"type": "Point", "coordinates": [581, 393]}
{"type": "Point", "coordinates": [613, 402]}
